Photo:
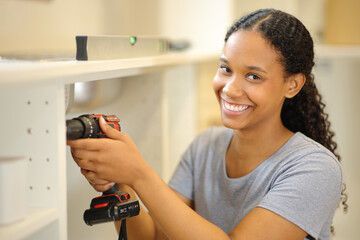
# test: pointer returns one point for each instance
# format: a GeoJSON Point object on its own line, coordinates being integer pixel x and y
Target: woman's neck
{"type": "Point", "coordinates": [249, 148]}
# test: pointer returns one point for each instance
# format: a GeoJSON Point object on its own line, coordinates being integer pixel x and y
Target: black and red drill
{"type": "Point", "coordinates": [113, 205]}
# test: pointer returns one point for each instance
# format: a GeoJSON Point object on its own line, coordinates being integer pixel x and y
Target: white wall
{"type": "Point", "coordinates": [203, 22]}
{"type": "Point", "coordinates": [51, 25]}
{"type": "Point", "coordinates": [337, 80]}
{"type": "Point", "coordinates": [310, 12]}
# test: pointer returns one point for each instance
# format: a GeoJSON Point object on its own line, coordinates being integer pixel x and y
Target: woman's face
{"type": "Point", "coordinates": [249, 83]}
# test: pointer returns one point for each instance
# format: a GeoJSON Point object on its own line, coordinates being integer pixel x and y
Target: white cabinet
{"type": "Point", "coordinates": [31, 119]}
{"type": "Point", "coordinates": [156, 104]}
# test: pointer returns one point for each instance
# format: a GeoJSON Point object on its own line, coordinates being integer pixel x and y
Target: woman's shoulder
{"type": "Point", "coordinates": [305, 145]}
{"type": "Point", "coordinates": [303, 153]}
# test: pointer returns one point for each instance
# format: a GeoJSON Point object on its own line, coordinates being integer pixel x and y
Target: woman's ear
{"type": "Point", "coordinates": [294, 84]}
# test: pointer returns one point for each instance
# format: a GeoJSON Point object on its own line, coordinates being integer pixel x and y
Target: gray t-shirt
{"type": "Point", "coordinates": [301, 182]}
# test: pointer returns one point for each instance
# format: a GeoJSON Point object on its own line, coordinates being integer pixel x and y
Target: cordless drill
{"type": "Point", "coordinates": [113, 205]}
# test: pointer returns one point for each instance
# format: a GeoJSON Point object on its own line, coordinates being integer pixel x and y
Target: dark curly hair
{"type": "Point", "coordinates": [294, 45]}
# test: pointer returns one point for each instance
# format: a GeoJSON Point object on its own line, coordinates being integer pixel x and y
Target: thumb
{"type": "Point", "coordinates": [109, 131]}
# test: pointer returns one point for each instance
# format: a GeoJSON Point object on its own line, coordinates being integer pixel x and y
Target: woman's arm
{"type": "Point", "coordinates": [142, 226]}
{"type": "Point", "coordinates": [138, 227]}
{"type": "Point", "coordinates": [120, 161]}
{"type": "Point", "coordinates": [179, 221]}
{"type": "Point", "coordinates": [175, 218]}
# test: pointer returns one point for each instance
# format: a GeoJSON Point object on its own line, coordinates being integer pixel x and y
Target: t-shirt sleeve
{"type": "Point", "coordinates": [191, 161]}
{"type": "Point", "coordinates": [307, 192]}
{"type": "Point", "coordinates": [182, 179]}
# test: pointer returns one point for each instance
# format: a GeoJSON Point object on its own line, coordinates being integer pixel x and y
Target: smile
{"type": "Point", "coordinates": [235, 108]}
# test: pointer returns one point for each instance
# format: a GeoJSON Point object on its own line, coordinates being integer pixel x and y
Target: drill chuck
{"type": "Point", "coordinates": [87, 126]}
{"type": "Point", "coordinates": [74, 129]}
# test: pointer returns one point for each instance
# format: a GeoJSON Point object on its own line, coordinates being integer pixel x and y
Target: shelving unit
{"type": "Point", "coordinates": [32, 100]}
{"type": "Point", "coordinates": [37, 219]}
{"type": "Point", "coordinates": [71, 71]}
{"type": "Point", "coordinates": [156, 106]}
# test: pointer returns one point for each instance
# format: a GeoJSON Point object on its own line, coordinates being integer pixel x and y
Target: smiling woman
{"type": "Point", "coordinates": [251, 78]}
{"type": "Point", "coordinates": [266, 175]}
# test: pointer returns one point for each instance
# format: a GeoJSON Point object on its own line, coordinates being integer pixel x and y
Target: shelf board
{"type": "Point", "coordinates": [337, 51]}
{"type": "Point", "coordinates": [36, 219]}
{"type": "Point", "coordinates": [70, 71]}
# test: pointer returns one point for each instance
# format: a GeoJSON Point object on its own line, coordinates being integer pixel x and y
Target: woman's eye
{"type": "Point", "coordinates": [225, 69]}
{"type": "Point", "coordinates": [252, 76]}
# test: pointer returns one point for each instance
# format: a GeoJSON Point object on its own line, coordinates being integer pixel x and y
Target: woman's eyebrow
{"type": "Point", "coordinates": [223, 59]}
{"type": "Point", "coordinates": [256, 68]}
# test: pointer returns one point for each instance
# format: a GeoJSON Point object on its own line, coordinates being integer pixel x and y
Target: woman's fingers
{"type": "Point", "coordinates": [86, 144]}
{"type": "Point", "coordinates": [116, 158]}
{"type": "Point", "coordinates": [99, 158]}
{"type": "Point", "coordinates": [102, 187]}
{"type": "Point", "coordinates": [84, 159]}
{"type": "Point", "coordinates": [92, 177]}
{"type": "Point", "coordinates": [83, 154]}
{"type": "Point", "coordinates": [109, 131]}
{"type": "Point", "coordinates": [98, 184]}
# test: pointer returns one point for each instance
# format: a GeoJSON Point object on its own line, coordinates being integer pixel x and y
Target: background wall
{"type": "Point", "coordinates": [50, 26]}
{"type": "Point", "coordinates": [338, 82]}
{"type": "Point", "coordinates": [341, 22]}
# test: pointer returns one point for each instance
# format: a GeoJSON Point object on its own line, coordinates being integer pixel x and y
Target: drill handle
{"type": "Point", "coordinates": [113, 190]}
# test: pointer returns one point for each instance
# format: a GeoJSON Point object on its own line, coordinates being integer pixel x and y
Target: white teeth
{"type": "Point", "coordinates": [235, 108]}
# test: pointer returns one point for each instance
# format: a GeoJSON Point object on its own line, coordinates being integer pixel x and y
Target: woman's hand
{"type": "Point", "coordinates": [98, 184]}
{"type": "Point", "coordinates": [108, 160]}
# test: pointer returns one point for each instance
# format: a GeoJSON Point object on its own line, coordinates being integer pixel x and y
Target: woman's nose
{"type": "Point", "coordinates": [233, 88]}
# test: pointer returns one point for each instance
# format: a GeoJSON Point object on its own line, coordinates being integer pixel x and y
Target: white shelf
{"type": "Point", "coordinates": [39, 136]}
{"type": "Point", "coordinates": [36, 91]}
{"type": "Point", "coordinates": [19, 72]}
{"type": "Point", "coordinates": [70, 71]}
{"type": "Point", "coordinates": [37, 219]}
{"type": "Point", "coordinates": [337, 51]}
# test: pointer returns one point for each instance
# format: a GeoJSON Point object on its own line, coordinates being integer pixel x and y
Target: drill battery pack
{"type": "Point", "coordinates": [112, 207]}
